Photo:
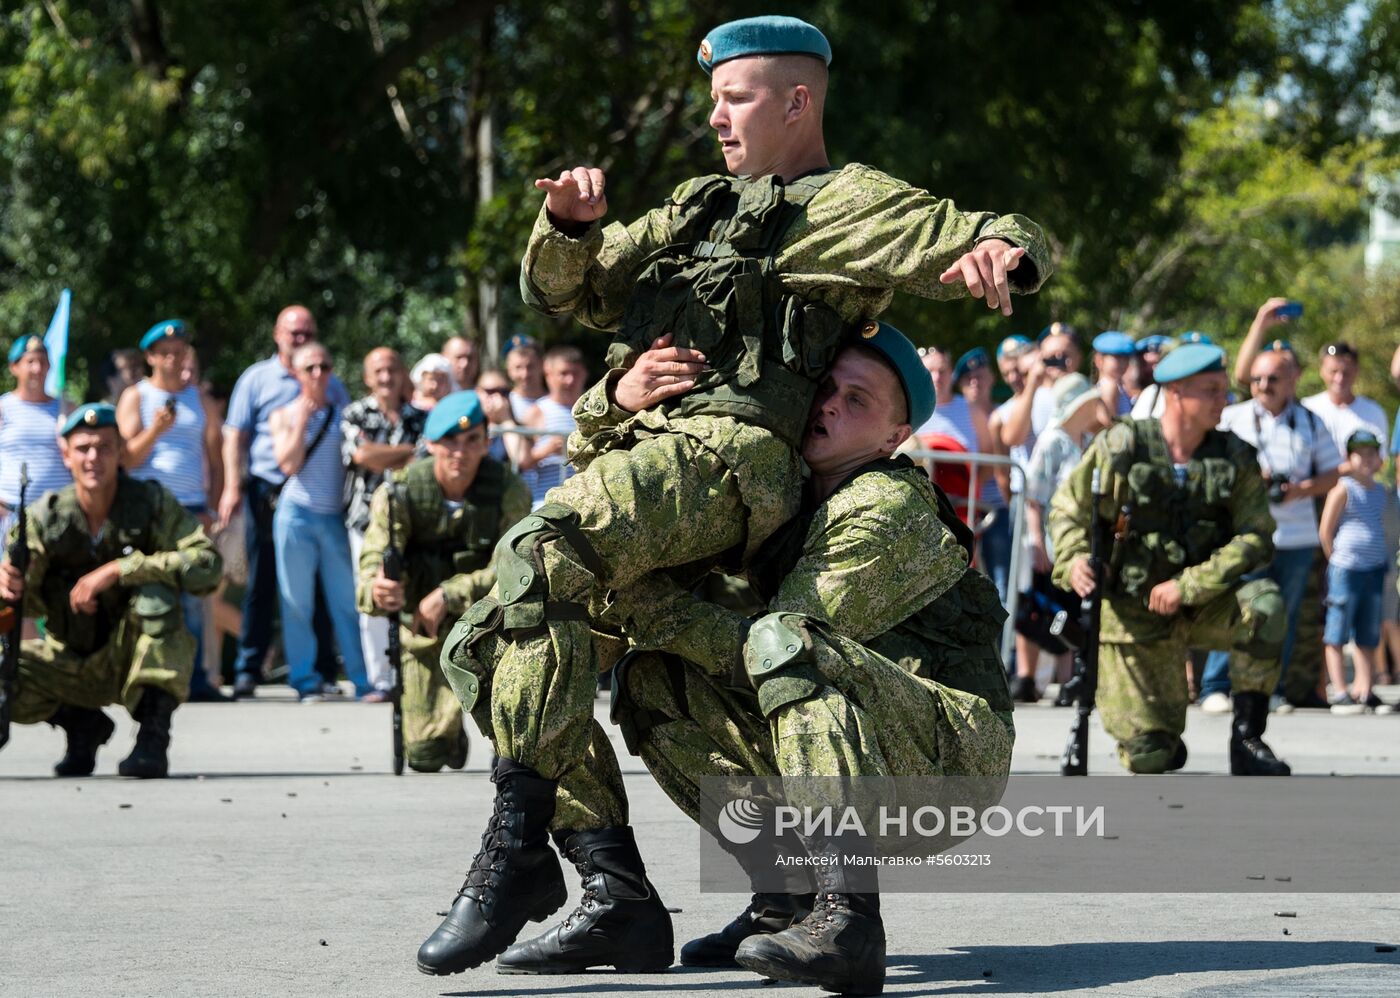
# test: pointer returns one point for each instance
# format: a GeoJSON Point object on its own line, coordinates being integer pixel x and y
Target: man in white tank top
{"type": "Point", "coordinates": [543, 464]}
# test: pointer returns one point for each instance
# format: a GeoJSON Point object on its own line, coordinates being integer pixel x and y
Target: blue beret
{"type": "Point", "coordinates": [1155, 343]}
{"type": "Point", "coordinates": [24, 344]}
{"type": "Point", "coordinates": [1185, 339]}
{"type": "Point", "coordinates": [516, 342]}
{"type": "Point", "coordinates": [1189, 359]}
{"type": "Point", "coordinates": [454, 413]}
{"type": "Point", "coordinates": [974, 360]}
{"type": "Point", "coordinates": [1362, 438]}
{"type": "Point", "coordinates": [1012, 344]}
{"type": "Point", "coordinates": [162, 329]}
{"type": "Point", "coordinates": [767, 35]}
{"type": "Point", "coordinates": [1278, 346]}
{"type": "Point", "coordinates": [1114, 344]}
{"type": "Point", "coordinates": [1057, 329]}
{"type": "Point", "coordinates": [91, 416]}
{"type": "Point", "coordinates": [904, 358]}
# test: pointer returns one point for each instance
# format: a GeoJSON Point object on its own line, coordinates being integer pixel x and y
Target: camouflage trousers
{"type": "Point", "coordinates": [142, 651]}
{"type": "Point", "coordinates": [1142, 692]}
{"type": "Point", "coordinates": [433, 735]}
{"type": "Point", "coordinates": [524, 661]}
{"type": "Point", "coordinates": [862, 716]}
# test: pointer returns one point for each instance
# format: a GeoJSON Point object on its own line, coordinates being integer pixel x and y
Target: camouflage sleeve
{"type": "Point", "coordinates": [375, 544]}
{"type": "Point", "coordinates": [871, 560]}
{"type": "Point", "coordinates": [465, 588]}
{"type": "Point", "coordinates": [595, 416]}
{"type": "Point", "coordinates": [869, 229]}
{"type": "Point", "coordinates": [1072, 508]}
{"type": "Point", "coordinates": [1251, 547]}
{"type": "Point", "coordinates": [184, 559]}
{"type": "Point", "coordinates": [591, 275]}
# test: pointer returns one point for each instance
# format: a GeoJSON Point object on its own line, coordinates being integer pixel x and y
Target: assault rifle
{"type": "Point", "coordinates": [12, 614]}
{"type": "Point", "coordinates": [393, 571]}
{"type": "Point", "coordinates": [1085, 683]}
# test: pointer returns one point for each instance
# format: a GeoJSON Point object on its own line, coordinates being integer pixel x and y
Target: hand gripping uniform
{"type": "Point", "coordinates": [442, 546]}
{"type": "Point", "coordinates": [766, 278]}
{"type": "Point", "coordinates": [137, 638]}
{"type": "Point", "coordinates": [1206, 526]}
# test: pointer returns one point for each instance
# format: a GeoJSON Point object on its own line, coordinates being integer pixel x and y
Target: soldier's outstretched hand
{"type": "Point", "coordinates": [983, 269]}
{"type": "Point", "coordinates": [577, 195]}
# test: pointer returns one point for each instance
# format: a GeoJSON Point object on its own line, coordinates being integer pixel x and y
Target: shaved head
{"type": "Point", "coordinates": [784, 72]}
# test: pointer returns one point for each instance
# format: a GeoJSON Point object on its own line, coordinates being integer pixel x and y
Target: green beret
{"type": "Point", "coordinates": [1189, 359]}
{"type": "Point", "coordinates": [904, 358]}
{"type": "Point", "coordinates": [92, 416]}
{"type": "Point", "coordinates": [453, 414]}
{"type": "Point", "coordinates": [767, 35]}
{"type": "Point", "coordinates": [162, 329]}
{"type": "Point", "coordinates": [24, 345]}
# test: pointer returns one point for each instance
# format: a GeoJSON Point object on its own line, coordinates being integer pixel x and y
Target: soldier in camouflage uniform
{"type": "Point", "coordinates": [1190, 518]}
{"type": "Point", "coordinates": [876, 555]}
{"type": "Point", "coordinates": [109, 557]}
{"type": "Point", "coordinates": [765, 274]}
{"type": "Point", "coordinates": [449, 510]}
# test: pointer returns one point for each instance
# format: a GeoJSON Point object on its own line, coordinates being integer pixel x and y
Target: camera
{"type": "Point", "coordinates": [1058, 360]}
{"type": "Point", "coordinates": [1278, 487]}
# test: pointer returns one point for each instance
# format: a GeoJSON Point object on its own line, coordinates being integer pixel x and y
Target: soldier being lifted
{"type": "Point", "coordinates": [109, 557]}
{"type": "Point", "coordinates": [1191, 518]}
{"type": "Point", "coordinates": [449, 510]}
{"type": "Point", "coordinates": [764, 272]}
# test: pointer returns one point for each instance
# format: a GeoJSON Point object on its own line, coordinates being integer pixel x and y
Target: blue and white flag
{"type": "Point", "coordinates": [56, 343]}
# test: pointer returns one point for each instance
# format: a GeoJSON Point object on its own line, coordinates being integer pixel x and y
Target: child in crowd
{"type": "Point", "coordinates": [1353, 538]}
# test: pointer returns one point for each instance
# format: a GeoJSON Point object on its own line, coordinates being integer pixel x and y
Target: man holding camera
{"type": "Point", "coordinates": [1299, 461]}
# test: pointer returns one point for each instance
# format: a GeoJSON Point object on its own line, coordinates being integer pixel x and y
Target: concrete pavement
{"type": "Point", "coordinates": [285, 858]}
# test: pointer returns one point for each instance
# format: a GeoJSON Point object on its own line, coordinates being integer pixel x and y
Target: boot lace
{"type": "Point", "coordinates": [824, 912]}
{"type": "Point", "coordinates": [489, 859]}
{"type": "Point", "coordinates": [590, 893]}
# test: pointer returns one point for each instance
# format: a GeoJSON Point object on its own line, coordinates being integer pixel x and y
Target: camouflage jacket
{"type": "Point", "coordinates": [153, 539]}
{"type": "Point", "coordinates": [863, 237]}
{"type": "Point", "coordinates": [1206, 533]}
{"type": "Point", "coordinates": [876, 563]}
{"type": "Point", "coordinates": [460, 541]}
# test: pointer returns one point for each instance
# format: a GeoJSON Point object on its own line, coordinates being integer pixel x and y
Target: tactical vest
{"type": "Point", "coordinates": [62, 528]}
{"type": "Point", "coordinates": [716, 288]}
{"type": "Point", "coordinates": [442, 542]}
{"type": "Point", "coordinates": [1171, 526]}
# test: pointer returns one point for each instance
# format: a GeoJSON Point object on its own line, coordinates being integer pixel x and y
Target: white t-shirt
{"type": "Point", "coordinates": [1344, 420]}
{"type": "Point", "coordinates": [1293, 444]}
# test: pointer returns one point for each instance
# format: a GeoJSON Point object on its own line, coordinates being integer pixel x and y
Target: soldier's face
{"type": "Point", "coordinates": [749, 117]}
{"type": "Point", "coordinates": [856, 415]}
{"type": "Point", "coordinates": [460, 455]}
{"type": "Point", "coordinates": [91, 456]}
{"type": "Point", "coordinates": [1202, 398]}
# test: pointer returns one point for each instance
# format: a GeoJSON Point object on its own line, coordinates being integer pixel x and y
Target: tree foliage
{"type": "Point", "coordinates": [373, 158]}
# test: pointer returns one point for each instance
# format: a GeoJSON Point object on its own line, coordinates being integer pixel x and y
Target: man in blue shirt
{"type": "Point", "coordinates": [263, 388]}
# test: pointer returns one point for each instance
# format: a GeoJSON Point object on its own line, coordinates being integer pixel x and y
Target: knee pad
{"type": "Point", "coordinates": [520, 577]}
{"type": "Point", "coordinates": [1266, 618]}
{"type": "Point", "coordinates": [157, 609]}
{"type": "Point", "coordinates": [780, 661]}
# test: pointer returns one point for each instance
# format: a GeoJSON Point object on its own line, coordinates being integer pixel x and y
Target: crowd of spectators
{"type": "Point", "coordinates": [287, 471]}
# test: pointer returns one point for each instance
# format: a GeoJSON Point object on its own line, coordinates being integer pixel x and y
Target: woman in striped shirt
{"type": "Point", "coordinates": [308, 528]}
{"type": "Point", "coordinates": [29, 430]}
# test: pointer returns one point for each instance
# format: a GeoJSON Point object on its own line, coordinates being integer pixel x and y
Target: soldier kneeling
{"type": "Point", "coordinates": [109, 557]}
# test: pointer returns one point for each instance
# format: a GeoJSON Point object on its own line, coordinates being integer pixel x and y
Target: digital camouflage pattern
{"type": "Point", "coordinates": [1142, 692]}
{"type": "Point", "coordinates": [447, 548]}
{"type": "Point", "coordinates": [137, 637]}
{"type": "Point", "coordinates": [873, 562]}
{"type": "Point", "coordinates": [666, 490]}
{"type": "Point", "coordinates": [864, 236]}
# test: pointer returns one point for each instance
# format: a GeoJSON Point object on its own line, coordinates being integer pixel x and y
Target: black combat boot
{"type": "Point", "coordinates": [840, 945]}
{"type": "Point", "coordinates": [87, 729]}
{"type": "Point", "coordinates": [765, 915]}
{"type": "Point", "coordinates": [148, 760]}
{"type": "Point", "coordinates": [514, 878]}
{"type": "Point", "coordinates": [620, 922]}
{"type": "Point", "coordinates": [1249, 756]}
